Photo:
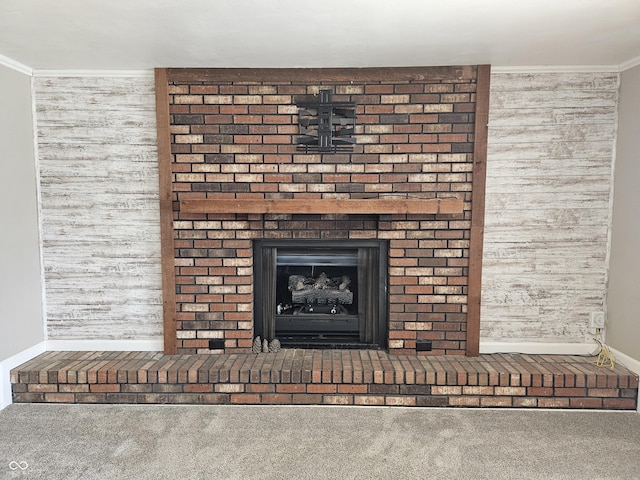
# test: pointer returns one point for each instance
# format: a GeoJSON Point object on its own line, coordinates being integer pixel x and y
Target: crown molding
{"type": "Point", "coordinates": [93, 73]}
{"type": "Point", "coordinates": [556, 69]}
{"type": "Point", "coordinates": [17, 66]}
{"type": "Point", "coordinates": [634, 62]}
{"type": "Point", "coordinates": [149, 73]}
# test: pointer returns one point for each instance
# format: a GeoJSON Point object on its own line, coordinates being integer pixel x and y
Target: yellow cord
{"type": "Point", "coordinates": [605, 357]}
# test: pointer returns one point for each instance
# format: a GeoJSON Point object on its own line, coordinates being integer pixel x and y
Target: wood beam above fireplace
{"type": "Point", "coordinates": [325, 206]}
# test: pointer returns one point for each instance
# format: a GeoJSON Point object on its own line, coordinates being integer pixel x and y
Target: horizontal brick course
{"type": "Point", "coordinates": [332, 377]}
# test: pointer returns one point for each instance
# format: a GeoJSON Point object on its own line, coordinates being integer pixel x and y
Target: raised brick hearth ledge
{"type": "Point", "coordinates": [329, 377]}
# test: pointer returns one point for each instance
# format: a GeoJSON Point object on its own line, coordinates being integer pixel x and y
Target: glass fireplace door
{"type": "Point", "coordinates": [316, 294]}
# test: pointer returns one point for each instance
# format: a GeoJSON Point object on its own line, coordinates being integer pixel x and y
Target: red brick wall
{"type": "Point", "coordinates": [233, 134]}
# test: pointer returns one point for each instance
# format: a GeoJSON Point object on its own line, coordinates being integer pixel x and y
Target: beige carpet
{"type": "Point", "coordinates": [238, 442]}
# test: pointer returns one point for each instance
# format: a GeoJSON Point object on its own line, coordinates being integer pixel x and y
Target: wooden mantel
{"type": "Point", "coordinates": [325, 206]}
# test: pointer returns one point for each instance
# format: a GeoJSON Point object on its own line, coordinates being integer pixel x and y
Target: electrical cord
{"type": "Point", "coordinates": [605, 357]}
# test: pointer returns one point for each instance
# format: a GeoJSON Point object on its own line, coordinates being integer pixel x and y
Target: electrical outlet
{"type": "Point", "coordinates": [596, 320]}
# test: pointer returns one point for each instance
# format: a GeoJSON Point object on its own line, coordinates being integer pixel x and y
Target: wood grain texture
{"type": "Point", "coordinates": [478, 210]}
{"type": "Point", "coordinates": [324, 206]}
{"type": "Point", "coordinates": [547, 216]}
{"type": "Point", "coordinates": [166, 213]}
{"type": "Point", "coordinates": [99, 202]}
{"type": "Point", "coordinates": [373, 74]}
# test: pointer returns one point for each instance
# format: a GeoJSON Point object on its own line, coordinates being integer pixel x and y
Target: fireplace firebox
{"type": "Point", "coordinates": [321, 293]}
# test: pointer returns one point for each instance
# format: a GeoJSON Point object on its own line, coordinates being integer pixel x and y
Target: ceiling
{"type": "Point", "coordinates": [142, 34]}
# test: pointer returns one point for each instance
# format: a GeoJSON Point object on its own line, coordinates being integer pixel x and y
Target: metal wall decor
{"type": "Point", "coordinates": [326, 126]}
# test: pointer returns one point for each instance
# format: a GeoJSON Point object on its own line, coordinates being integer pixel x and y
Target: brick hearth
{"type": "Point", "coordinates": [329, 377]}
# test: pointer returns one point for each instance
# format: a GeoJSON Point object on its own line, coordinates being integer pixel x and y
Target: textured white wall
{"type": "Point", "coordinates": [550, 150]}
{"type": "Point", "coordinates": [551, 140]}
{"type": "Point", "coordinates": [21, 321]}
{"type": "Point", "coordinates": [623, 322]}
{"type": "Point", "coordinates": [101, 226]}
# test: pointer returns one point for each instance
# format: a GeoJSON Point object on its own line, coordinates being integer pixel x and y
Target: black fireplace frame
{"type": "Point", "coordinates": [372, 314]}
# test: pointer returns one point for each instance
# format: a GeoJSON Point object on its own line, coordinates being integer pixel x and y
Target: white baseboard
{"type": "Point", "coordinates": [149, 345]}
{"type": "Point", "coordinates": [539, 348]}
{"type": "Point", "coordinates": [13, 362]}
{"type": "Point", "coordinates": [629, 362]}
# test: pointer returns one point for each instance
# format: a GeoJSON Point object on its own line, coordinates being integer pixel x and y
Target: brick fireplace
{"type": "Point", "coordinates": [232, 176]}
{"type": "Point", "coordinates": [236, 193]}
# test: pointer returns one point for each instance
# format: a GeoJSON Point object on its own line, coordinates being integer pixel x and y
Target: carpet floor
{"type": "Point", "coordinates": [39, 441]}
